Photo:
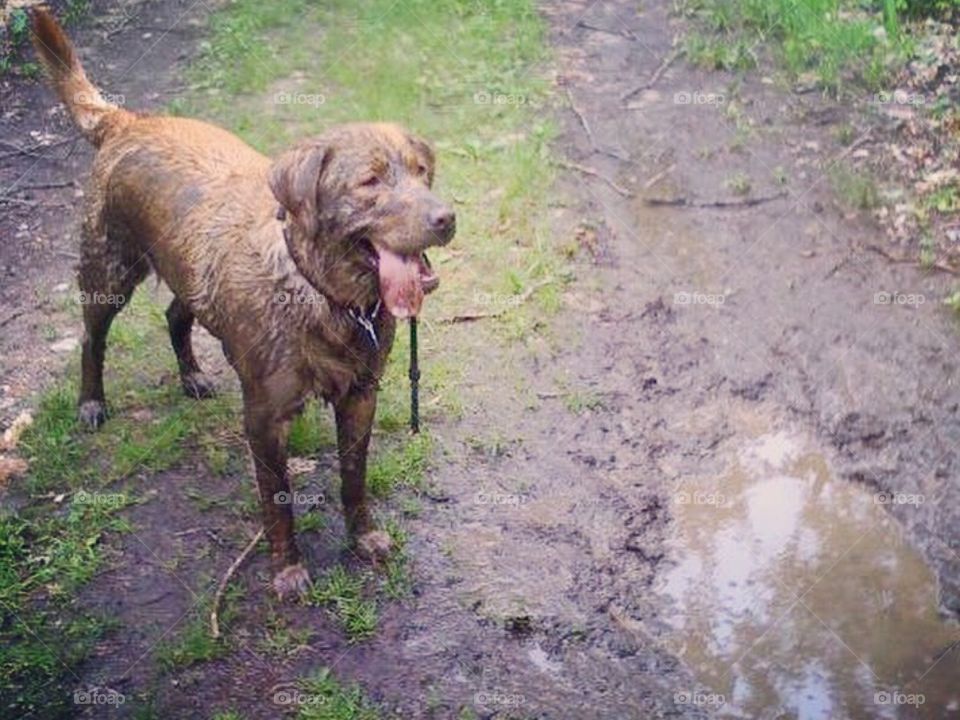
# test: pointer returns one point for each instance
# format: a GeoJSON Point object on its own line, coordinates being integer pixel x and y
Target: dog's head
{"type": "Point", "coordinates": [362, 214]}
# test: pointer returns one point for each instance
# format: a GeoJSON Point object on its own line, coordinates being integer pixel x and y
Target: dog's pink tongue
{"type": "Point", "coordinates": [400, 285]}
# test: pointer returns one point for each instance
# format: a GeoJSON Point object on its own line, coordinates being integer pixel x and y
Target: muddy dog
{"type": "Point", "coordinates": [300, 266]}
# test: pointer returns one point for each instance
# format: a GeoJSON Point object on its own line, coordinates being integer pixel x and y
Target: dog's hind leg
{"type": "Point", "coordinates": [180, 320]}
{"type": "Point", "coordinates": [107, 278]}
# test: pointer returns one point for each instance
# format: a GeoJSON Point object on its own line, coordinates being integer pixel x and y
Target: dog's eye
{"type": "Point", "coordinates": [371, 181]}
{"type": "Point", "coordinates": [422, 169]}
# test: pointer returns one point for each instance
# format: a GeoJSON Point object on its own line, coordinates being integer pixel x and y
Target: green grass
{"type": "Point", "coordinates": [326, 699]}
{"type": "Point", "coordinates": [192, 644]}
{"type": "Point", "coordinates": [399, 466]}
{"type": "Point", "coordinates": [343, 593]}
{"type": "Point", "coordinates": [837, 41]}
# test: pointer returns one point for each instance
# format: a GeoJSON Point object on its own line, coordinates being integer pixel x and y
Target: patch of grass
{"type": "Point", "coordinates": [311, 522]}
{"type": "Point", "coordinates": [855, 190]}
{"type": "Point", "coordinates": [713, 53]}
{"type": "Point", "coordinates": [739, 184]}
{"type": "Point", "coordinates": [581, 402]}
{"type": "Point", "coordinates": [312, 431]}
{"type": "Point", "coordinates": [396, 580]}
{"type": "Point", "coordinates": [227, 715]}
{"type": "Point", "coordinates": [342, 592]}
{"type": "Point", "coordinates": [192, 644]}
{"type": "Point", "coordinates": [399, 466]}
{"type": "Point", "coordinates": [327, 699]}
{"type": "Point", "coordinates": [837, 41]}
{"type": "Point", "coordinates": [281, 641]}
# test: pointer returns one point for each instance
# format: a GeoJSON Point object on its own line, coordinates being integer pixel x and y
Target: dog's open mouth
{"type": "Point", "coordinates": [404, 280]}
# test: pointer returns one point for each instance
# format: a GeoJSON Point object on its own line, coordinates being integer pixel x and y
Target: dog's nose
{"type": "Point", "coordinates": [443, 221]}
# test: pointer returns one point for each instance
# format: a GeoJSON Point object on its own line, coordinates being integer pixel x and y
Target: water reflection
{"type": "Point", "coordinates": [796, 596]}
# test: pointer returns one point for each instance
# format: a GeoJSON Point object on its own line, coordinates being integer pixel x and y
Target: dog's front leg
{"type": "Point", "coordinates": [354, 413]}
{"type": "Point", "coordinates": [267, 434]}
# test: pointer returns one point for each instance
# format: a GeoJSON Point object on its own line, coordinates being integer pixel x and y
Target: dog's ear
{"type": "Point", "coordinates": [295, 182]}
{"type": "Point", "coordinates": [424, 154]}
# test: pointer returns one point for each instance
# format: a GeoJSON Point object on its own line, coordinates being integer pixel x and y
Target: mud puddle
{"type": "Point", "coordinates": [796, 594]}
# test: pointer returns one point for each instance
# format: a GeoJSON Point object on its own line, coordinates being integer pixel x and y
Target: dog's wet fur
{"type": "Point", "coordinates": [276, 258]}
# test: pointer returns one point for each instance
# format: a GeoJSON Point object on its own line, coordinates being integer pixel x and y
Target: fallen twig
{"type": "Point", "coordinates": [625, 33]}
{"type": "Point", "coordinates": [568, 393]}
{"type": "Point", "coordinates": [582, 118]}
{"type": "Point", "coordinates": [655, 78]}
{"type": "Point", "coordinates": [222, 587]}
{"type": "Point", "coordinates": [41, 186]}
{"type": "Point", "coordinates": [593, 173]}
{"type": "Point", "coordinates": [658, 177]}
{"type": "Point", "coordinates": [686, 202]}
{"type": "Point", "coordinates": [911, 261]}
{"type": "Point", "coordinates": [586, 128]}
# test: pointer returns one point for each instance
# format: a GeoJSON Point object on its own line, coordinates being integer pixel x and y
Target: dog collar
{"type": "Point", "coordinates": [364, 318]}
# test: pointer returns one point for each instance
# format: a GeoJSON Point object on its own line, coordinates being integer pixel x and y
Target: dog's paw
{"type": "Point", "coordinates": [92, 413]}
{"type": "Point", "coordinates": [292, 580]}
{"type": "Point", "coordinates": [198, 386]}
{"type": "Point", "coordinates": [374, 545]}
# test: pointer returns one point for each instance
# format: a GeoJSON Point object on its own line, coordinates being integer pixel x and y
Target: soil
{"type": "Point", "coordinates": [540, 553]}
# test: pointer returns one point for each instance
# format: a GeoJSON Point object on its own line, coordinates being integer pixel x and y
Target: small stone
{"type": "Point", "coordinates": [65, 345]}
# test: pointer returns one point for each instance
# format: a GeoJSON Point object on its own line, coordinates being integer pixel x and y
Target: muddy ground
{"type": "Point", "coordinates": [692, 335]}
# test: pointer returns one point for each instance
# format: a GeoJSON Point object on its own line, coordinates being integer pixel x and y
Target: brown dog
{"type": "Point", "coordinates": [299, 266]}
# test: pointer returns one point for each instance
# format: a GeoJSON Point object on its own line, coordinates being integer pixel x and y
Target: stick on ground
{"type": "Point", "coordinates": [222, 587]}
{"type": "Point", "coordinates": [688, 203]}
{"type": "Point", "coordinates": [593, 173]}
{"type": "Point", "coordinates": [655, 78]}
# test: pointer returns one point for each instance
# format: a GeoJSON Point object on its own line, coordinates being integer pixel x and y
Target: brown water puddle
{"type": "Point", "coordinates": [796, 596]}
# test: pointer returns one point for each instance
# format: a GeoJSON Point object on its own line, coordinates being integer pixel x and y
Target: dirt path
{"type": "Point", "coordinates": [666, 506]}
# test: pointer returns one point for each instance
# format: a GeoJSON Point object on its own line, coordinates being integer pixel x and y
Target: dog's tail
{"type": "Point", "coordinates": [92, 113]}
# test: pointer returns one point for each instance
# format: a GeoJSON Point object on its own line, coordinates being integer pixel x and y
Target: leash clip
{"type": "Point", "coordinates": [366, 322]}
